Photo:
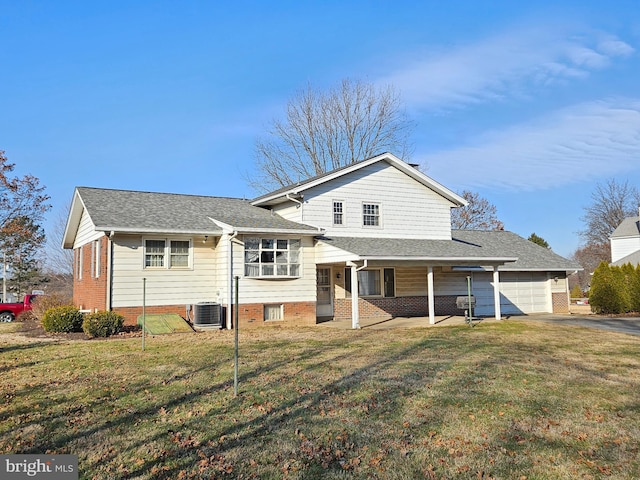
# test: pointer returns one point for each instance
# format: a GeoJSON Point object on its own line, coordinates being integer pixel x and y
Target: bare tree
{"type": "Point", "coordinates": [323, 131]}
{"type": "Point", "coordinates": [479, 214]}
{"type": "Point", "coordinates": [20, 197]}
{"type": "Point", "coordinates": [612, 202]}
{"type": "Point", "coordinates": [589, 257]}
{"type": "Point", "coordinates": [58, 262]}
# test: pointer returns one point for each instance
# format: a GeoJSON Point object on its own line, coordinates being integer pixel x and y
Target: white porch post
{"type": "Point", "coordinates": [496, 292]}
{"type": "Point", "coordinates": [355, 313]}
{"type": "Point", "coordinates": [430, 296]}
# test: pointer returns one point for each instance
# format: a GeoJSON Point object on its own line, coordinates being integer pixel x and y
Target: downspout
{"type": "Point", "coordinates": [301, 203]}
{"type": "Point", "coordinates": [109, 299]}
{"type": "Point", "coordinates": [230, 278]}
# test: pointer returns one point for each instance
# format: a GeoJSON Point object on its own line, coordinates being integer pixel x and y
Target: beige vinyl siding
{"type": "Point", "coordinates": [329, 254]}
{"type": "Point", "coordinates": [86, 231]}
{"type": "Point", "coordinates": [163, 286]}
{"type": "Point", "coordinates": [408, 209]}
{"type": "Point", "coordinates": [283, 290]}
{"type": "Point", "coordinates": [621, 247]}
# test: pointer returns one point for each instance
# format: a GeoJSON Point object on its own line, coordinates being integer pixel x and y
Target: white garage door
{"type": "Point", "coordinates": [520, 292]}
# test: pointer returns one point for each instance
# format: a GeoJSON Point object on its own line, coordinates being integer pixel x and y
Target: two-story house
{"type": "Point", "coordinates": [372, 239]}
{"type": "Point", "coordinates": [625, 242]}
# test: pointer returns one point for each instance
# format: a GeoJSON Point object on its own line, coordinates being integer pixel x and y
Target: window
{"type": "Point", "coordinates": [371, 214]}
{"type": "Point", "coordinates": [271, 257]}
{"type": "Point", "coordinates": [179, 253]}
{"type": "Point", "coordinates": [338, 213]}
{"type": "Point", "coordinates": [154, 253]}
{"type": "Point", "coordinates": [273, 312]}
{"type": "Point", "coordinates": [372, 283]}
{"type": "Point", "coordinates": [161, 253]}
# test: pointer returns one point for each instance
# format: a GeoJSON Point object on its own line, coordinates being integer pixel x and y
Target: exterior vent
{"type": "Point", "coordinates": [207, 314]}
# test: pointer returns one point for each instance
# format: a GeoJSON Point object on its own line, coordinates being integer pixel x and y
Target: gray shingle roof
{"type": "Point", "coordinates": [465, 244]}
{"type": "Point", "coordinates": [633, 259]}
{"type": "Point", "coordinates": [629, 227]}
{"type": "Point", "coordinates": [126, 210]}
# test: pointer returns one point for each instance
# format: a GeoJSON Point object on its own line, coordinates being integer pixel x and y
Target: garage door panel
{"type": "Point", "coordinates": [520, 292]}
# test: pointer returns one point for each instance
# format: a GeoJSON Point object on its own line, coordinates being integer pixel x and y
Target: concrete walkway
{"type": "Point", "coordinates": [403, 322]}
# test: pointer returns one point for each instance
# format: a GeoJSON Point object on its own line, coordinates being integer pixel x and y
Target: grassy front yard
{"type": "Point", "coordinates": [502, 400]}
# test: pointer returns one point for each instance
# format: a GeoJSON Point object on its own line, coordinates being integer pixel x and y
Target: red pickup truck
{"type": "Point", "coordinates": [9, 311]}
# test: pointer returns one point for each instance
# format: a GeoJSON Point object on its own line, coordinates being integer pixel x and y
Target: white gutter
{"type": "Point", "coordinates": [108, 305]}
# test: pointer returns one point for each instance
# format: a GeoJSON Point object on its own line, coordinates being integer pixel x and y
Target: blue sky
{"type": "Point", "coordinates": [530, 104]}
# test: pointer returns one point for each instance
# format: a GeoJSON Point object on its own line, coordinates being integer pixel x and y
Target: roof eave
{"type": "Point", "coordinates": [392, 159]}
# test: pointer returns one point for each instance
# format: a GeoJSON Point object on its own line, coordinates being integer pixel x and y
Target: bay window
{"type": "Point", "coordinates": [271, 257]}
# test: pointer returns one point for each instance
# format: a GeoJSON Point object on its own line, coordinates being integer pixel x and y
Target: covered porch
{"type": "Point", "coordinates": [362, 279]}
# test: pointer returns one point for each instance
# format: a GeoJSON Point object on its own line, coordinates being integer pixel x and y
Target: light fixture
{"type": "Point", "coordinates": [205, 239]}
{"type": "Point", "coordinates": [338, 275]}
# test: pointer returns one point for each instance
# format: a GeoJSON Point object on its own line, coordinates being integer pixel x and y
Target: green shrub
{"type": "Point", "coordinates": [576, 291]}
{"type": "Point", "coordinates": [63, 319]}
{"type": "Point", "coordinates": [102, 324]}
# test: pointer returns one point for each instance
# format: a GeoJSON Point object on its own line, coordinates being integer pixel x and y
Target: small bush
{"type": "Point", "coordinates": [576, 291]}
{"type": "Point", "coordinates": [102, 324]}
{"type": "Point", "coordinates": [62, 319]}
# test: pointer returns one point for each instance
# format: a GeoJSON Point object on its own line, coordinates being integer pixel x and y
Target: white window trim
{"type": "Point", "coordinates": [167, 253]}
{"type": "Point", "coordinates": [96, 258]}
{"type": "Point", "coordinates": [380, 271]}
{"type": "Point", "coordinates": [333, 213]}
{"type": "Point", "coordinates": [280, 306]}
{"type": "Point", "coordinates": [260, 276]}
{"type": "Point", "coordinates": [79, 262]}
{"type": "Point", "coordinates": [379, 205]}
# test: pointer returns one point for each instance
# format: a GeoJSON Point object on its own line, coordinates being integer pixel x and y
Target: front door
{"type": "Point", "coordinates": [324, 303]}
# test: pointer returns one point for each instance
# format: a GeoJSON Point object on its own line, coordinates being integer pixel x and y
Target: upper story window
{"type": "Point", "coordinates": [271, 257]}
{"type": "Point", "coordinates": [162, 253]}
{"type": "Point", "coordinates": [338, 212]}
{"type": "Point", "coordinates": [371, 214]}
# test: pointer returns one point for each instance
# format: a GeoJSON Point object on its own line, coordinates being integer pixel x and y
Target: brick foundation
{"type": "Point", "coordinates": [414, 306]}
{"type": "Point", "coordinates": [295, 314]}
{"type": "Point", "coordinates": [250, 315]}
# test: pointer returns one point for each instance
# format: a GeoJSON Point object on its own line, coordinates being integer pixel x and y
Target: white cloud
{"type": "Point", "coordinates": [498, 65]}
{"type": "Point", "coordinates": [586, 141]}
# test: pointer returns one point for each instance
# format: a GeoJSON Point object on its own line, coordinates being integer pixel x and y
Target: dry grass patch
{"type": "Point", "coordinates": [502, 400]}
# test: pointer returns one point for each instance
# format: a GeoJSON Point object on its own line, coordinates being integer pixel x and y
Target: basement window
{"type": "Point", "coordinates": [273, 313]}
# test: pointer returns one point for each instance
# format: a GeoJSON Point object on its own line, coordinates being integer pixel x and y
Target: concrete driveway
{"type": "Point", "coordinates": [620, 325]}
{"type": "Point", "coordinates": [630, 325]}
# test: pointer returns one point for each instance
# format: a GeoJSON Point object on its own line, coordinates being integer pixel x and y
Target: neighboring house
{"type": "Point", "coordinates": [625, 242]}
{"type": "Point", "coordinates": [372, 239]}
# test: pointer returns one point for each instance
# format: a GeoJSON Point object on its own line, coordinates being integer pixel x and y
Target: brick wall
{"type": "Point", "coordinates": [295, 313]}
{"type": "Point", "coordinates": [412, 306]}
{"type": "Point", "coordinates": [250, 315]}
{"type": "Point", "coordinates": [90, 291]}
